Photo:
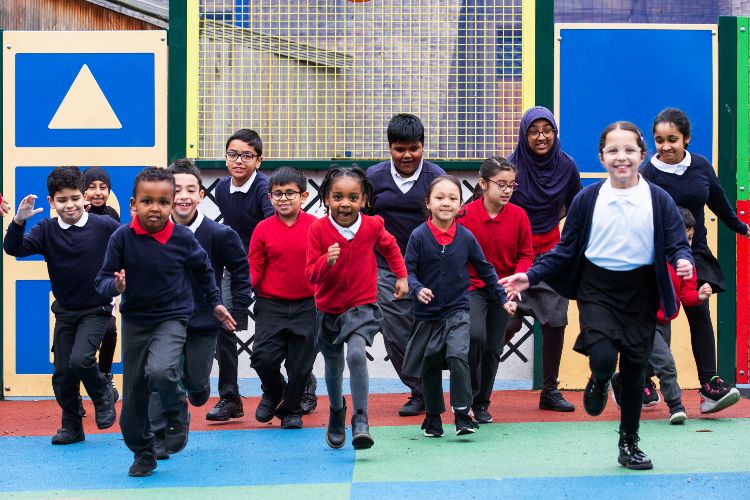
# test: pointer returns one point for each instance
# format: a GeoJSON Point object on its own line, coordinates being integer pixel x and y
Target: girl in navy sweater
{"type": "Point", "coordinates": [691, 181]}
{"type": "Point", "coordinates": [612, 258]}
{"type": "Point", "coordinates": [437, 258]}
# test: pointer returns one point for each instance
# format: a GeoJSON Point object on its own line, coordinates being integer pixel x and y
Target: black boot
{"type": "Point", "coordinates": [361, 439]}
{"type": "Point", "coordinates": [595, 396]}
{"type": "Point", "coordinates": [630, 455]}
{"type": "Point", "coordinates": [553, 400]}
{"type": "Point", "coordinates": [336, 432]}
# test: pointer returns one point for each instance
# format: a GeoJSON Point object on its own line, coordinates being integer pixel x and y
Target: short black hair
{"type": "Point", "coordinates": [64, 178]}
{"type": "Point", "coordinates": [404, 127]}
{"type": "Point", "coordinates": [185, 166]}
{"type": "Point", "coordinates": [287, 175]}
{"type": "Point", "coordinates": [153, 174]}
{"type": "Point", "coordinates": [249, 137]}
{"type": "Point", "coordinates": [687, 217]}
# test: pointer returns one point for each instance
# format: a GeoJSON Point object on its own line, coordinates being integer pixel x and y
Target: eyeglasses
{"type": "Point", "coordinates": [290, 195]}
{"type": "Point", "coordinates": [504, 186]}
{"type": "Point", "coordinates": [246, 157]}
{"type": "Point", "coordinates": [535, 134]}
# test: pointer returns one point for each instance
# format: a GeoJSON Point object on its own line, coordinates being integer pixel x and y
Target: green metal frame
{"type": "Point", "coordinates": [728, 116]}
{"type": "Point", "coordinates": [177, 86]}
{"type": "Point", "coordinates": [471, 165]}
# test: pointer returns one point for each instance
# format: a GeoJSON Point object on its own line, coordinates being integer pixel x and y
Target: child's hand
{"type": "Point", "coordinates": [120, 281]}
{"type": "Point", "coordinates": [515, 284]}
{"type": "Point", "coordinates": [510, 307]}
{"type": "Point", "coordinates": [684, 269]}
{"type": "Point", "coordinates": [4, 207]}
{"type": "Point", "coordinates": [402, 288]}
{"type": "Point", "coordinates": [425, 295]}
{"type": "Point", "coordinates": [227, 321]}
{"type": "Point", "coordinates": [333, 253]}
{"type": "Point", "coordinates": [705, 292]}
{"type": "Point", "coordinates": [26, 209]}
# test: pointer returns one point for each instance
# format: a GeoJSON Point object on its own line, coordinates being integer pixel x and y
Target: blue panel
{"type": "Point", "coordinates": [127, 81]}
{"type": "Point", "coordinates": [611, 74]}
{"type": "Point", "coordinates": [32, 327]}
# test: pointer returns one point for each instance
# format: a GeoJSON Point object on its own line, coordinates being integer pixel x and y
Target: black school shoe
{"type": "Point", "coordinates": [361, 438]}
{"type": "Point", "coordinates": [266, 409]}
{"type": "Point", "coordinates": [595, 396]}
{"type": "Point", "coordinates": [106, 415]}
{"type": "Point", "coordinates": [554, 401]}
{"type": "Point", "coordinates": [225, 409]}
{"type": "Point", "coordinates": [336, 431]}
{"type": "Point", "coordinates": [160, 447]}
{"type": "Point", "coordinates": [81, 409]}
{"type": "Point", "coordinates": [413, 407]}
{"type": "Point", "coordinates": [68, 435]}
{"type": "Point", "coordinates": [291, 422]}
{"type": "Point", "coordinates": [142, 466]}
{"type": "Point", "coordinates": [630, 455]}
{"type": "Point", "coordinates": [432, 426]}
{"type": "Point", "coordinates": [464, 423]}
{"type": "Point", "coordinates": [481, 415]}
{"type": "Point", "coordinates": [309, 399]}
{"type": "Point", "coordinates": [112, 387]}
{"type": "Point", "coordinates": [176, 437]}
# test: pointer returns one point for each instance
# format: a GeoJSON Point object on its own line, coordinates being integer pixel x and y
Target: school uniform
{"type": "Point", "coordinates": [156, 306]}
{"type": "Point", "coordinates": [284, 310]}
{"type": "Point", "coordinates": [438, 260]}
{"type": "Point", "coordinates": [612, 258]}
{"type": "Point", "coordinates": [400, 202]}
{"type": "Point", "coordinates": [346, 297]}
{"type": "Point", "coordinates": [506, 242]}
{"type": "Point", "coordinates": [73, 254]}
{"type": "Point", "coordinates": [225, 251]}
{"type": "Point", "coordinates": [693, 184]}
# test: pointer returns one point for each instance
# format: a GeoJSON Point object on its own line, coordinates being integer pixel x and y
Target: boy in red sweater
{"type": "Point", "coordinates": [341, 267]}
{"type": "Point", "coordinates": [661, 361]}
{"type": "Point", "coordinates": [284, 304]}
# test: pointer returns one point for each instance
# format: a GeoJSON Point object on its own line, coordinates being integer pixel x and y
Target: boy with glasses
{"type": "Point", "coordinates": [243, 201]}
{"type": "Point", "coordinates": [285, 304]}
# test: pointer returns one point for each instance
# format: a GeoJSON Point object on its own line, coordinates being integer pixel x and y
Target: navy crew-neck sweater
{"type": "Point", "coordinates": [224, 249]}
{"type": "Point", "coordinates": [243, 211]}
{"type": "Point", "coordinates": [157, 276]}
{"type": "Point", "coordinates": [697, 187]}
{"type": "Point", "coordinates": [402, 212]}
{"type": "Point", "coordinates": [73, 256]}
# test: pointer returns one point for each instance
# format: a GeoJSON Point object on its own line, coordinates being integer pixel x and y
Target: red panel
{"type": "Point", "coordinates": [743, 297]}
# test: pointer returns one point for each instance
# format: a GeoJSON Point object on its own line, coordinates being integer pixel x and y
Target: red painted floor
{"type": "Point", "coordinates": [40, 418]}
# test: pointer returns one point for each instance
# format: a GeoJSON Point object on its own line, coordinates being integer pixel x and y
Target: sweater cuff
{"type": "Point", "coordinates": [533, 278]}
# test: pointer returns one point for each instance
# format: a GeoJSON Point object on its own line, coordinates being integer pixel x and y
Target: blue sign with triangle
{"type": "Point", "coordinates": [85, 100]}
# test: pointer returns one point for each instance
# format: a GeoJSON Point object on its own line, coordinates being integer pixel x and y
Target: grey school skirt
{"type": "Point", "coordinates": [449, 337]}
{"type": "Point", "coordinates": [335, 329]}
{"type": "Point", "coordinates": [547, 306]}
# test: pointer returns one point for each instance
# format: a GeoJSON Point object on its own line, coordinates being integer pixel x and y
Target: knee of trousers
{"type": "Point", "coordinates": [79, 362]}
{"type": "Point", "coordinates": [162, 376]}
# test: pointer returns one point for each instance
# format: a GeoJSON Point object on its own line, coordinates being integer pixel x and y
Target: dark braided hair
{"type": "Point", "coordinates": [355, 172]}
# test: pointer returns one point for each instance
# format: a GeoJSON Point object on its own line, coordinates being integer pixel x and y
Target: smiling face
{"type": "Point", "coordinates": [97, 193]}
{"type": "Point", "coordinates": [670, 143]}
{"type": "Point", "coordinates": [287, 200]}
{"type": "Point", "coordinates": [241, 170]}
{"type": "Point", "coordinates": [68, 203]}
{"type": "Point", "coordinates": [444, 202]}
{"type": "Point", "coordinates": [406, 156]}
{"type": "Point", "coordinates": [345, 200]}
{"type": "Point", "coordinates": [540, 136]}
{"type": "Point", "coordinates": [188, 195]}
{"type": "Point", "coordinates": [152, 203]}
{"type": "Point", "coordinates": [621, 156]}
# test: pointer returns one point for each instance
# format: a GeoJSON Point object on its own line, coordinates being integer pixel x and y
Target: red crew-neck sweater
{"type": "Point", "coordinates": [353, 279]}
{"type": "Point", "coordinates": [505, 240]}
{"type": "Point", "coordinates": [277, 258]}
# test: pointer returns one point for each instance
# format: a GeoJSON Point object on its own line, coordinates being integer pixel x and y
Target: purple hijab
{"type": "Point", "coordinates": [546, 184]}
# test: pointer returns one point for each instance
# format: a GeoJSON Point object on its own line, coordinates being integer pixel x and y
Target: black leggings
{"type": "Point", "coordinates": [107, 349]}
{"type": "Point", "coordinates": [603, 362]}
{"type": "Point", "coordinates": [702, 340]}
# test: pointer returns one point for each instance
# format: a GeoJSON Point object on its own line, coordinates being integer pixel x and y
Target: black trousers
{"type": "Point", "coordinates": [151, 363]}
{"type": "Point", "coordinates": [284, 332]}
{"type": "Point", "coordinates": [226, 350]}
{"type": "Point", "coordinates": [486, 341]}
{"type": "Point", "coordinates": [109, 343]}
{"type": "Point", "coordinates": [77, 336]}
{"type": "Point", "coordinates": [702, 340]}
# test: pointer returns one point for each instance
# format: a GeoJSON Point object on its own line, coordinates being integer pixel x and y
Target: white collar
{"type": "Point", "coordinates": [81, 222]}
{"type": "Point", "coordinates": [631, 195]}
{"type": "Point", "coordinates": [677, 168]}
{"type": "Point", "coordinates": [243, 188]}
{"type": "Point", "coordinates": [196, 223]}
{"type": "Point", "coordinates": [400, 179]}
{"type": "Point", "coordinates": [347, 232]}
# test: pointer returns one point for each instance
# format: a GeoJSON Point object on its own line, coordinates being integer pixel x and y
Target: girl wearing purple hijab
{"type": "Point", "coordinates": [548, 180]}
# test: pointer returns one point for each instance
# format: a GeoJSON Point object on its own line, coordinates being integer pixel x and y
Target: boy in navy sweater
{"type": "Point", "coordinates": [159, 258]}
{"type": "Point", "coordinates": [73, 244]}
{"type": "Point", "coordinates": [399, 192]}
{"type": "Point", "coordinates": [243, 200]}
{"type": "Point", "coordinates": [225, 250]}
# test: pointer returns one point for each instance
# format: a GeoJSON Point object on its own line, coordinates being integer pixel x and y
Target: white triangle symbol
{"type": "Point", "coordinates": [84, 106]}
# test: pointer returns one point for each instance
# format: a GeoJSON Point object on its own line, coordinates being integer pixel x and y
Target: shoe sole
{"type": "Point", "coordinates": [224, 419]}
{"type": "Point", "coordinates": [647, 466]}
{"type": "Point", "coordinates": [335, 446]}
{"type": "Point", "coordinates": [543, 406]}
{"type": "Point", "coordinates": [362, 441]}
{"type": "Point", "coordinates": [465, 432]}
{"type": "Point", "coordinates": [482, 421]}
{"type": "Point", "coordinates": [292, 426]}
{"type": "Point", "coordinates": [677, 418]}
{"type": "Point", "coordinates": [63, 443]}
{"type": "Point", "coordinates": [651, 404]}
{"type": "Point", "coordinates": [431, 435]}
{"type": "Point", "coordinates": [402, 413]}
{"type": "Point", "coordinates": [141, 474]}
{"type": "Point", "coordinates": [728, 400]}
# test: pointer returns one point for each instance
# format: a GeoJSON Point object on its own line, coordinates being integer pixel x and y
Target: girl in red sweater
{"type": "Point", "coordinates": [341, 267]}
{"type": "Point", "coordinates": [504, 234]}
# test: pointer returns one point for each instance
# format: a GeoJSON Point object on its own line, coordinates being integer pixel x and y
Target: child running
{"type": "Point", "coordinates": [437, 258]}
{"type": "Point", "coordinates": [504, 234]}
{"type": "Point", "coordinates": [341, 266]}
